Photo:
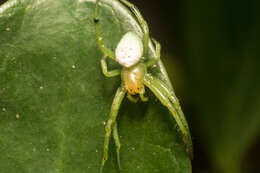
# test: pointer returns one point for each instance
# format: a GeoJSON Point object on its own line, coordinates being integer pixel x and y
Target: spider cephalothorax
{"type": "Point", "coordinates": [132, 78]}
{"type": "Point", "coordinates": [130, 53]}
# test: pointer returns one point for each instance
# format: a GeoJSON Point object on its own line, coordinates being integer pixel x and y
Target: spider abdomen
{"type": "Point", "coordinates": [129, 50]}
{"type": "Point", "coordinates": [133, 78]}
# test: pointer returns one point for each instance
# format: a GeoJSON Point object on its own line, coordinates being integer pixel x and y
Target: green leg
{"type": "Point", "coordinates": [143, 98]}
{"type": "Point", "coordinates": [142, 22]}
{"type": "Point", "coordinates": [131, 98]}
{"type": "Point", "coordinates": [168, 99]}
{"type": "Point", "coordinates": [101, 46]}
{"type": "Point", "coordinates": [117, 142]}
{"type": "Point", "coordinates": [153, 61]}
{"type": "Point", "coordinates": [169, 93]}
{"type": "Point", "coordinates": [105, 71]}
{"type": "Point", "coordinates": [111, 121]}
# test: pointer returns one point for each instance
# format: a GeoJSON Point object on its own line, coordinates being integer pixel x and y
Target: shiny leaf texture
{"type": "Point", "coordinates": [54, 98]}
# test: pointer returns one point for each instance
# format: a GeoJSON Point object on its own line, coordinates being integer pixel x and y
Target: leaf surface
{"type": "Point", "coordinates": [55, 99]}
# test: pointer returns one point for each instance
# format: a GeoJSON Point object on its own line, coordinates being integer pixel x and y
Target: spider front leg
{"type": "Point", "coordinates": [111, 122]}
{"type": "Point", "coordinates": [153, 61]}
{"type": "Point", "coordinates": [117, 142]}
{"type": "Point", "coordinates": [168, 99]}
{"type": "Point", "coordinates": [141, 94]}
{"type": "Point", "coordinates": [169, 93]}
{"type": "Point", "coordinates": [107, 73]}
{"type": "Point", "coordinates": [101, 46]}
{"type": "Point", "coordinates": [131, 98]}
{"type": "Point", "coordinates": [142, 22]}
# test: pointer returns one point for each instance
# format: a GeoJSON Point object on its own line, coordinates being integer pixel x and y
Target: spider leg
{"type": "Point", "coordinates": [117, 142]}
{"type": "Point", "coordinates": [107, 73]}
{"type": "Point", "coordinates": [142, 22]}
{"type": "Point", "coordinates": [143, 98]}
{"type": "Point", "coordinates": [168, 99]}
{"type": "Point", "coordinates": [153, 61]}
{"type": "Point", "coordinates": [101, 46]}
{"type": "Point", "coordinates": [131, 98]}
{"type": "Point", "coordinates": [111, 121]}
{"type": "Point", "coordinates": [169, 93]}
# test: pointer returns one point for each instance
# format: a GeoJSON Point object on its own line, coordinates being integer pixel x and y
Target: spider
{"type": "Point", "coordinates": [131, 53]}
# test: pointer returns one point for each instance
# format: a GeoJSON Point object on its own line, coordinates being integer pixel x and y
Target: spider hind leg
{"type": "Point", "coordinates": [101, 45]}
{"type": "Point", "coordinates": [141, 21]}
{"type": "Point", "coordinates": [105, 71]}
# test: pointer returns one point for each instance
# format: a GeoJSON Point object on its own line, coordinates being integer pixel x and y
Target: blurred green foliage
{"type": "Point", "coordinates": [222, 74]}
{"type": "Point", "coordinates": [212, 46]}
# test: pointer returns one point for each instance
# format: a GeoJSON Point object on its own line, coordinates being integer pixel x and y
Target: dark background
{"type": "Point", "coordinates": [210, 52]}
{"type": "Point", "coordinates": [209, 48]}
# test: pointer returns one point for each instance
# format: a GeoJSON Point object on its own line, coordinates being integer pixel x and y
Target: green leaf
{"type": "Point", "coordinates": [55, 99]}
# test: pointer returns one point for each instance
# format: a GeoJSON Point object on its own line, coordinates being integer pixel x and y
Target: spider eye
{"type": "Point", "coordinates": [129, 50]}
